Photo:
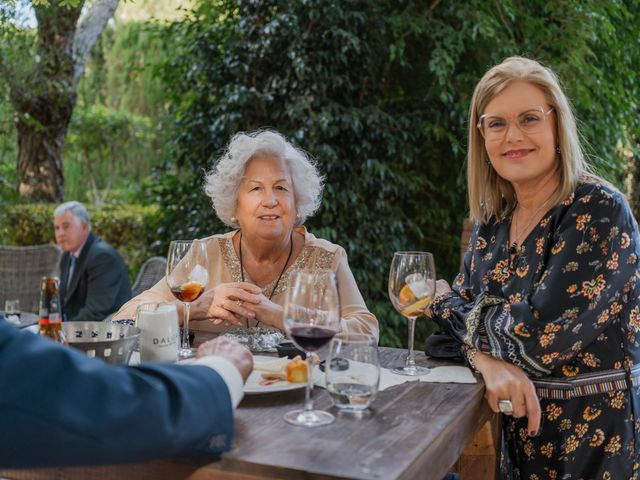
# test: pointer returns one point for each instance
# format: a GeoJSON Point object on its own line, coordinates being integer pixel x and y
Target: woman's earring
{"type": "Point", "coordinates": [234, 220]}
{"type": "Point", "coordinates": [558, 151]}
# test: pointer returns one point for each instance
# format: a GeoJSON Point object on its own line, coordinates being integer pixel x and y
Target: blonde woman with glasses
{"type": "Point", "coordinates": [546, 305]}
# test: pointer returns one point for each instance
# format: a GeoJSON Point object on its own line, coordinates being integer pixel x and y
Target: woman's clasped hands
{"type": "Point", "coordinates": [234, 303]}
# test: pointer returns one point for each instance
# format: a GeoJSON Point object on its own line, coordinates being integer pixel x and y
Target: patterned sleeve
{"type": "Point", "coordinates": [450, 310]}
{"type": "Point", "coordinates": [591, 267]}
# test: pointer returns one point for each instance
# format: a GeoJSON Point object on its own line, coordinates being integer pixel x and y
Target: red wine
{"type": "Point", "coordinates": [311, 338]}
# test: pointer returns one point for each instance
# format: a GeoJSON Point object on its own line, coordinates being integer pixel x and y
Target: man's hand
{"type": "Point", "coordinates": [237, 354]}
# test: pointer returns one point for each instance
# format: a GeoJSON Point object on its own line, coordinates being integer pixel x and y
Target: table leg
{"type": "Point", "coordinates": [480, 458]}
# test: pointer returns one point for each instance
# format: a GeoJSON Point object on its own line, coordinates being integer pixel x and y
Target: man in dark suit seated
{"type": "Point", "coordinates": [94, 281]}
{"type": "Point", "coordinates": [59, 407]}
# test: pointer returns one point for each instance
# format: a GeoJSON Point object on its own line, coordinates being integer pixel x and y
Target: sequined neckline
{"type": "Point", "coordinates": [284, 268]}
{"type": "Point", "coordinates": [233, 264]}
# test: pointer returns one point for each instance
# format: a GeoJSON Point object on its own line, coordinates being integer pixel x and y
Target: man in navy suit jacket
{"type": "Point", "coordinates": [94, 281]}
{"type": "Point", "coordinates": [59, 407]}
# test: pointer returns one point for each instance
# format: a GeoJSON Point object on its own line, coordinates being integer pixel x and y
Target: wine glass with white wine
{"type": "Point", "coordinates": [412, 285]}
{"type": "Point", "coordinates": [187, 277]}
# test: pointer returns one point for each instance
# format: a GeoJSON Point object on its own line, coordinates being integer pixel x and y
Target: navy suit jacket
{"type": "Point", "coordinates": [59, 407]}
{"type": "Point", "coordinates": [99, 284]}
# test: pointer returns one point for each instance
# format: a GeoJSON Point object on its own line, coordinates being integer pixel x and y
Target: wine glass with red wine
{"type": "Point", "coordinates": [311, 319]}
{"type": "Point", "coordinates": [187, 276]}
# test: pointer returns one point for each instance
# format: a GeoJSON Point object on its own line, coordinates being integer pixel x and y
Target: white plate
{"type": "Point", "coordinates": [253, 387]}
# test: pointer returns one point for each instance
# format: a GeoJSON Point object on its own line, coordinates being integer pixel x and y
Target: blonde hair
{"type": "Point", "coordinates": [489, 194]}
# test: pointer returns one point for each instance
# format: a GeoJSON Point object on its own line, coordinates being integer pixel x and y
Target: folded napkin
{"type": "Point", "coordinates": [449, 374]}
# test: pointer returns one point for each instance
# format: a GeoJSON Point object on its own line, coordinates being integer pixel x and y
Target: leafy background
{"type": "Point", "coordinates": [376, 91]}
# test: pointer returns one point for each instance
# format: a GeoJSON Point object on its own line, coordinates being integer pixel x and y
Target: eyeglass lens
{"type": "Point", "coordinates": [496, 126]}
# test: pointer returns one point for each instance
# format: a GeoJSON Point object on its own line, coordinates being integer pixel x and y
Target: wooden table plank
{"type": "Point", "coordinates": [410, 429]}
{"type": "Point", "coordinates": [414, 430]}
{"type": "Point", "coordinates": [157, 469]}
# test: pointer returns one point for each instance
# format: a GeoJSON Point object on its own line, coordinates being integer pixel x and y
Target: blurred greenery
{"type": "Point", "coordinates": [117, 133]}
{"type": "Point", "coordinates": [376, 91]}
{"type": "Point", "coordinates": [108, 145]}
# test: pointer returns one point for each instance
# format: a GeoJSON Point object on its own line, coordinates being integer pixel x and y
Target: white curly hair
{"type": "Point", "coordinates": [222, 182]}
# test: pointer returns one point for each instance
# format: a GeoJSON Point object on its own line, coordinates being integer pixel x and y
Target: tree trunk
{"type": "Point", "coordinates": [44, 104]}
{"type": "Point", "coordinates": [40, 160]}
{"type": "Point", "coordinates": [44, 99]}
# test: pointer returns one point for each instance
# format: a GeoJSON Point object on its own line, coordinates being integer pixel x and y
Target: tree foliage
{"type": "Point", "coordinates": [378, 93]}
{"type": "Point", "coordinates": [117, 133]}
{"type": "Point", "coordinates": [106, 146]}
{"type": "Point", "coordinates": [121, 73]}
{"type": "Point", "coordinates": [42, 76]}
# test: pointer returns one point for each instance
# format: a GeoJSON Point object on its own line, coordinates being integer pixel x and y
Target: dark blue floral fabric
{"type": "Point", "coordinates": [562, 306]}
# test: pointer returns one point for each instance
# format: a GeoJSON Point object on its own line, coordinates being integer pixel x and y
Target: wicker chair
{"type": "Point", "coordinates": [21, 269]}
{"type": "Point", "coordinates": [150, 273]}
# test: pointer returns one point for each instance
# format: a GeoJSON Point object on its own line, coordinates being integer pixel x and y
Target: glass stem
{"type": "Point", "coordinates": [411, 362]}
{"type": "Point", "coordinates": [185, 326]}
{"type": "Point", "coordinates": [308, 400]}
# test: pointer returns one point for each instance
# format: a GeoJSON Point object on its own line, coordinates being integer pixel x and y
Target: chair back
{"type": "Point", "coordinates": [150, 273]}
{"type": "Point", "coordinates": [21, 269]}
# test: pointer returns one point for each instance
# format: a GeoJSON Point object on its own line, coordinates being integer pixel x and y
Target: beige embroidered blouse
{"type": "Point", "coordinates": [224, 267]}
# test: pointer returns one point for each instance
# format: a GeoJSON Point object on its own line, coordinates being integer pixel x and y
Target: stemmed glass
{"type": "Point", "coordinates": [412, 285]}
{"type": "Point", "coordinates": [187, 276]}
{"type": "Point", "coordinates": [311, 319]}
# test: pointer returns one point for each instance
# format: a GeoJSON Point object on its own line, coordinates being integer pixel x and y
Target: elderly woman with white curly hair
{"type": "Point", "coordinates": [265, 188]}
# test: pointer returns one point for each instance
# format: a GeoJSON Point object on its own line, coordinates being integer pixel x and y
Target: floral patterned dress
{"type": "Point", "coordinates": [565, 309]}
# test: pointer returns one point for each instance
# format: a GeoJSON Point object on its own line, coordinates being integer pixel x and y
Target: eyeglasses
{"type": "Point", "coordinates": [494, 127]}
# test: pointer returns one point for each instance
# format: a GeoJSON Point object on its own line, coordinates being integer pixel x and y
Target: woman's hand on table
{"type": "Point", "coordinates": [505, 381]}
{"type": "Point", "coordinates": [228, 302]}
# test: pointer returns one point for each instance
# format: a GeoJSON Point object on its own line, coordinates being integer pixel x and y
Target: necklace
{"type": "Point", "coordinates": [273, 290]}
{"type": "Point", "coordinates": [515, 247]}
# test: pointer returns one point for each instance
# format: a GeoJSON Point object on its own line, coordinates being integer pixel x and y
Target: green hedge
{"type": "Point", "coordinates": [378, 92]}
{"type": "Point", "coordinates": [131, 229]}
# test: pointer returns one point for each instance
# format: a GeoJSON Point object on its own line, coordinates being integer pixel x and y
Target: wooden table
{"type": "Point", "coordinates": [413, 431]}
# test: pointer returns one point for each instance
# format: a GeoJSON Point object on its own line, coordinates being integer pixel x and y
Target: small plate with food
{"type": "Point", "coordinates": [272, 374]}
